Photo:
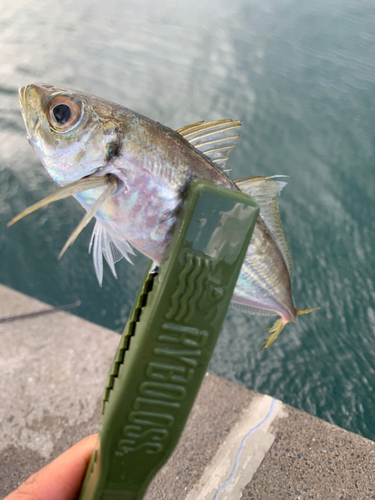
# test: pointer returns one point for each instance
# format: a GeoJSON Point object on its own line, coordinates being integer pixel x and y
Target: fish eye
{"type": "Point", "coordinates": [64, 113]}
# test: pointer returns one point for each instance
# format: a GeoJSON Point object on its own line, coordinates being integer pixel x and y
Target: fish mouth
{"type": "Point", "coordinates": [29, 102]}
{"type": "Point", "coordinates": [21, 96]}
{"type": "Point", "coordinates": [33, 99]}
{"type": "Point", "coordinates": [23, 102]}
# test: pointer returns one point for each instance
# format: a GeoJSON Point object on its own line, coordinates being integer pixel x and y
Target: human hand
{"type": "Point", "coordinates": [61, 479]}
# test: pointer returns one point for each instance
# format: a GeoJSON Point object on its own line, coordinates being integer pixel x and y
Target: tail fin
{"type": "Point", "coordinates": [275, 331]}
{"type": "Point", "coordinates": [279, 325]}
{"type": "Point", "coordinates": [306, 311]}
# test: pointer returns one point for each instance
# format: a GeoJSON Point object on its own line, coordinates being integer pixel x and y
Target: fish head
{"type": "Point", "coordinates": [72, 133]}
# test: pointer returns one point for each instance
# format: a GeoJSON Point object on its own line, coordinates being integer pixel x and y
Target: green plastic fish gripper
{"type": "Point", "coordinates": [168, 341]}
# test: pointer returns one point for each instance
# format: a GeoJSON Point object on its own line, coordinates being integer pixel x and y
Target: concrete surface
{"type": "Point", "coordinates": [52, 372]}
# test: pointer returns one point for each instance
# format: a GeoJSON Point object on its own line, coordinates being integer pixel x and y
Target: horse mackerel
{"type": "Point", "coordinates": [131, 173]}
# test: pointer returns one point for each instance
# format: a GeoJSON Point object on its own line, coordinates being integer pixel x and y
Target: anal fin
{"type": "Point", "coordinates": [252, 310]}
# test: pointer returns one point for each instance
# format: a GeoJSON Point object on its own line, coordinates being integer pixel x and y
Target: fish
{"type": "Point", "coordinates": [131, 173]}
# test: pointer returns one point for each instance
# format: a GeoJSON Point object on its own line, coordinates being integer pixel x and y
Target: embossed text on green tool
{"type": "Point", "coordinates": [168, 342]}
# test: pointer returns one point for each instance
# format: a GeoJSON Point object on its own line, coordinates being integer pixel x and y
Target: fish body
{"type": "Point", "coordinates": [78, 136]}
{"type": "Point", "coordinates": [154, 164]}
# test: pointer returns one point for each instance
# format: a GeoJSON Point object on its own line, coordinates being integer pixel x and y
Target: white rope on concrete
{"type": "Point", "coordinates": [239, 451]}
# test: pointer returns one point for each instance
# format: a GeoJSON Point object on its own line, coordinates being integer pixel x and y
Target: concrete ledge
{"type": "Point", "coordinates": [52, 372]}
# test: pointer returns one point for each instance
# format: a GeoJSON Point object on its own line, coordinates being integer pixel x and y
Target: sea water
{"type": "Point", "coordinates": [301, 76]}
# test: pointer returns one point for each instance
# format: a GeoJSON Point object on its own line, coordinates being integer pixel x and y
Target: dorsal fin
{"type": "Point", "coordinates": [264, 191]}
{"type": "Point", "coordinates": [214, 139]}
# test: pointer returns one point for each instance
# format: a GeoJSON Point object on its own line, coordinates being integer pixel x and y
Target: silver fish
{"type": "Point", "coordinates": [131, 174]}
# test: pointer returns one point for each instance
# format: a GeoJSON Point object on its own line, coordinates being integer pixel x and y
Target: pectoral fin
{"type": "Point", "coordinates": [60, 194]}
{"type": "Point", "coordinates": [111, 188]}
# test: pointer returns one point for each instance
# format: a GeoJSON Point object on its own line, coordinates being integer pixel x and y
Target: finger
{"type": "Point", "coordinates": [61, 479]}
